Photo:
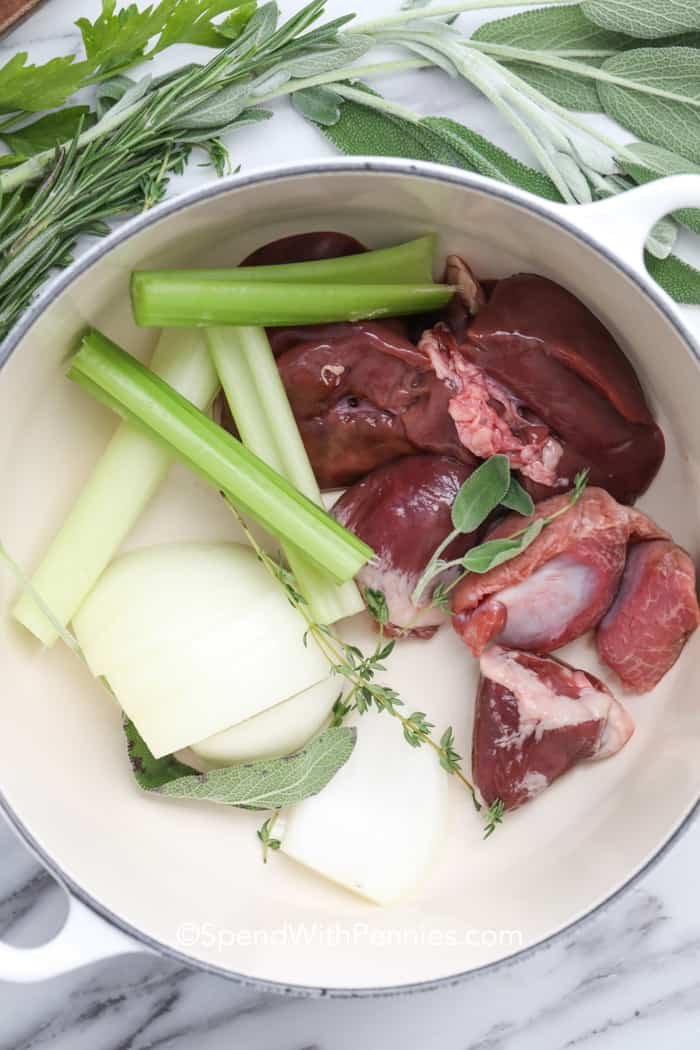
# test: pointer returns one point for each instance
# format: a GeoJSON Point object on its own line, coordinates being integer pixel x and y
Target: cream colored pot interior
{"type": "Point", "coordinates": [160, 865]}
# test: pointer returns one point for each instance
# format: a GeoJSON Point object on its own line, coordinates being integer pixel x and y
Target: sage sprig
{"type": "Point", "coordinates": [488, 487]}
{"type": "Point", "coordinates": [263, 784]}
{"type": "Point", "coordinates": [476, 496]}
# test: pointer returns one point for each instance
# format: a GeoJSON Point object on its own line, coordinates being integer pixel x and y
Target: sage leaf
{"type": "Point", "coordinates": [481, 493]}
{"type": "Point", "coordinates": [151, 773]}
{"type": "Point", "coordinates": [49, 131]}
{"type": "Point", "coordinates": [656, 162]}
{"type": "Point", "coordinates": [476, 153]}
{"type": "Point", "coordinates": [495, 552]}
{"type": "Point", "coordinates": [318, 104]}
{"type": "Point", "coordinates": [557, 29]}
{"type": "Point", "coordinates": [271, 783]}
{"type": "Point", "coordinates": [644, 18]}
{"type": "Point", "coordinates": [517, 499]}
{"type": "Point", "coordinates": [568, 89]}
{"type": "Point", "coordinates": [673, 125]}
{"type": "Point", "coordinates": [264, 784]}
{"type": "Point", "coordinates": [218, 111]}
{"type": "Point", "coordinates": [662, 238]}
{"type": "Point", "coordinates": [349, 49]}
{"type": "Point", "coordinates": [677, 277]}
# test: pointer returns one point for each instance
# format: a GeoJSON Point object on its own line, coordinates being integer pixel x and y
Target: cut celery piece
{"type": "Point", "coordinates": [259, 404]}
{"type": "Point", "coordinates": [125, 385]}
{"type": "Point", "coordinates": [190, 301]}
{"type": "Point", "coordinates": [124, 480]}
{"type": "Point", "coordinates": [409, 263]}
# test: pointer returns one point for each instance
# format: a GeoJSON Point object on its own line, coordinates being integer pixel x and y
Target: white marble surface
{"type": "Point", "coordinates": [628, 978]}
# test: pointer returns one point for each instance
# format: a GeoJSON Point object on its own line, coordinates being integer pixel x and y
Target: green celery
{"type": "Point", "coordinates": [410, 263]}
{"type": "Point", "coordinates": [123, 383]}
{"type": "Point", "coordinates": [112, 499]}
{"type": "Point", "coordinates": [189, 301]}
{"type": "Point", "coordinates": [259, 404]}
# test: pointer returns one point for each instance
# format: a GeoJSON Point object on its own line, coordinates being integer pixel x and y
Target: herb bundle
{"type": "Point", "coordinates": [74, 169]}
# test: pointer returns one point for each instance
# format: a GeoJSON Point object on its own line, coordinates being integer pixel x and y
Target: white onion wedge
{"type": "Point", "coordinates": [281, 730]}
{"type": "Point", "coordinates": [375, 827]}
{"type": "Point", "coordinates": [194, 638]}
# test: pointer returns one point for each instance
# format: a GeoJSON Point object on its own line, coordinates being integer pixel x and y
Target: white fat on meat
{"type": "Point", "coordinates": [552, 595]}
{"type": "Point", "coordinates": [542, 710]}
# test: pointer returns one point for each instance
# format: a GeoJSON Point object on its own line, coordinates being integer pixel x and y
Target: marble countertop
{"type": "Point", "coordinates": [628, 978]}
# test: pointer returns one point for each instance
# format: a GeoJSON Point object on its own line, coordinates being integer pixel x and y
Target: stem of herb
{"type": "Point", "coordinates": [360, 675]}
{"type": "Point", "coordinates": [441, 10]}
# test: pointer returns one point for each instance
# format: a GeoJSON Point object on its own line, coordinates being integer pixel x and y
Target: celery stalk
{"type": "Point", "coordinates": [258, 401]}
{"type": "Point", "coordinates": [123, 383]}
{"type": "Point", "coordinates": [123, 481]}
{"type": "Point", "coordinates": [189, 301]}
{"type": "Point", "coordinates": [410, 263]}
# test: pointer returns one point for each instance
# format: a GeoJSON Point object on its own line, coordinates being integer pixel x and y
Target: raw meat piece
{"type": "Point", "coordinates": [655, 611]}
{"type": "Point", "coordinates": [402, 510]}
{"type": "Point", "coordinates": [561, 585]}
{"type": "Point", "coordinates": [536, 718]}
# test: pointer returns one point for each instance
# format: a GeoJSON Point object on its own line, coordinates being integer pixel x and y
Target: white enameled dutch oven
{"type": "Point", "coordinates": [186, 879]}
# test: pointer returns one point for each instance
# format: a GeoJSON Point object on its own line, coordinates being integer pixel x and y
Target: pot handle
{"type": "Point", "coordinates": [84, 938]}
{"type": "Point", "coordinates": [622, 223]}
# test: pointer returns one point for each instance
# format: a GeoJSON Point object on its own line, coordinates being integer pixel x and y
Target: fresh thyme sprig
{"type": "Point", "coordinates": [349, 662]}
{"type": "Point", "coordinates": [493, 817]}
{"type": "Point", "coordinates": [264, 833]}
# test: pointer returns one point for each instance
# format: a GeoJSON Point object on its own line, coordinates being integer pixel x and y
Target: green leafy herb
{"type": "Point", "coordinates": [49, 131]}
{"type": "Point", "coordinates": [517, 499]}
{"type": "Point", "coordinates": [264, 833]}
{"type": "Point", "coordinates": [480, 494]}
{"type": "Point", "coordinates": [673, 125]}
{"type": "Point", "coordinates": [151, 773]}
{"type": "Point", "coordinates": [495, 552]}
{"type": "Point", "coordinates": [115, 41]}
{"type": "Point", "coordinates": [319, 104]}
{"type": "Point", "coordinates": [654, 162]}
{"type": "Point", "coordinates": [494, 817]}
{"type": "Point", "coordinates": [643, 18]}
{"type": "Point", "coordinates": [360, 670]}
{"type": "Point", "coordinates": [264, 784]}
{"type": "Point", "coordinates": [376, 603]}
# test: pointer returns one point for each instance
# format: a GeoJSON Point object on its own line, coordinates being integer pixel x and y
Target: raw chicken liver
{"type": "Point", "coordinates": [536, 718]}
{"type": "Point", "coordinates": [402, 510]}
{"type": "Point", "coordinates": [561, 585]}
{"type": "Point", "coordinates": [655, 611]}
{"type": "Point", "coordinates": [362, 394]}
{"type": "Point", "coordinates": [537, 376]}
